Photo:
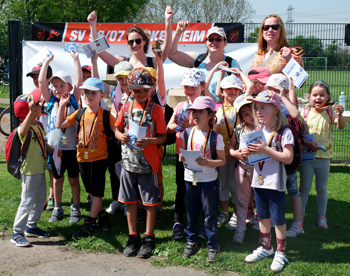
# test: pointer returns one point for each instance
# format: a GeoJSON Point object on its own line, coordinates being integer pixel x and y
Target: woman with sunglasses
{"type": "Point", "coordinates": [274, 51]}
{"type": "Point", "coordinates": [215, 43]}
{"type": "Point", "coordinates": [138, 43]}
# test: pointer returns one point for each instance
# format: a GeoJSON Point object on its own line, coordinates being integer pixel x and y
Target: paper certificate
{"type": "Point", "coordinates": [296, 72]}
{"type": "Point", "coordinates": [135, 133]}
{"type": "Point", "coordinates": [306, 153]}
{"type": "Point", "coordinates": [252, 138]}
{"type": "Point", "coordinates": [190, 157]}
{"type": "Point", "coordinates": [39, 58]}
{"type": "Point", "coordinates": [99, 45]}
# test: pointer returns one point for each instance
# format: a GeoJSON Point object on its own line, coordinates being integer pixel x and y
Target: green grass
{"type": "Point", "coordinates": [317, 252]}
{"type": "Point", "coordinates": [6, 93]}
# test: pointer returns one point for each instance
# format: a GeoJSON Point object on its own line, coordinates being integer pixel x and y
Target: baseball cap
{"type": "Point", "coordinates": [268, 96]}
{"type": "Point", "coordinates": [278, 80]}
{"type": "Point", "coordinates": [20, 105]}
{"type": "Point", "coordinates": [216, 30]}
{"type": "Point", "coordinates": [64, 76]}
{"type": "Point", "coordinates": [193, 77]}
{"type": "Point", "coordinates": [86, 68]}
{"type": "Point", "coordinates": [261, 74]}
{"type": "Point", "coordinates": [93, 84]}
{"type": "Point", "coordinates": [152, 71]}
{"type": "Point", "coordinates": [123, 68]}
{"type": "Point", "coordinates": [140, 78]}
{"type": "Point", "coordinates": [203, 103]}
{"type": "Point", "coordinates": [36, 71]}
{"type": "Point", "coordinates": [231, 82]}
{"type": "Point", "coordinates": [241, 100]}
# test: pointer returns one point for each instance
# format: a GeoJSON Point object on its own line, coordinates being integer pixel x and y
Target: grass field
{"type": "Point", "coordinates": [317, 252]}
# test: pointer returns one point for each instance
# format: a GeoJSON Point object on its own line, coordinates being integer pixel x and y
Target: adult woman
{"type": "Point", "coordinates": [271, 40]}
{"type": "Point", "coordinates": [215, 42]}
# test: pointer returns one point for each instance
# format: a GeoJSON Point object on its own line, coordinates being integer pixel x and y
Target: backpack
{"type": "Point", "coordinates": [203, 56]}
{"type": "Point", "coordinates": [16, 151]}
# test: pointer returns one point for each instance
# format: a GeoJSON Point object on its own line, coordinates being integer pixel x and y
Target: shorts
{"type": "Point", "coordinates": [69, 163]}
{"type": "Point", "coordinates": [93, 175]}
{"type": "Point", "coordinates": [292, 185]}
{"type": "Point", "coordinates": [160, 168]}
{"type": "Point", "coordinates": [136, 187]}
{"type": "Point", "coordinates": [270, 204]}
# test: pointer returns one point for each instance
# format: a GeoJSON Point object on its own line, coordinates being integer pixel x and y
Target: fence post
{"type": "Point", "coordinates": [15, 58]}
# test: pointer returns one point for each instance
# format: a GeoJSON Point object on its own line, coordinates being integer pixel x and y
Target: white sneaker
{"type": "Point", "coordinates": [238, 237]}
{"type": "Point", "coordinates": [232, 224]}
{"type": "Point", "coordinates": [223, 219]}
{"type": "Point", "coordinates": [258, 254]}
{"type": "Point", "coordinates": [278, 262]}
{"type": "Point", "coordinates": [295, 229]}
{"type": "Point", "coordinates": [114, 207]}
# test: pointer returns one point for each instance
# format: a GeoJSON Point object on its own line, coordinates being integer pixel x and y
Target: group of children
{"type": "Point", "coordinates": [259, 101]}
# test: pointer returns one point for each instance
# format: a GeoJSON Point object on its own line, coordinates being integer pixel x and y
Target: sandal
{"type": "Point", "coordinates": [85, 230]}
{"type": "Point", "coordinates": [322, 222]}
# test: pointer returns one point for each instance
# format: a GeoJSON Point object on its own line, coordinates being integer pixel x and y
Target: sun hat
{"type": "Point", "coordinates": [268, 96]}
{"type": "Point", "coordinates": [140, 78]}
{"type": "Point", "coordinates": [241, 100]}
{"type": "Point", "coordinates": [122, 68]}
{"type": "Point", "coordinates": [203, 103]}
{"type": "Point", "coordinates": [86, 68]}
{"type": "Point", "coordinates": [231, 82]}
{"type": "Point", "coordinates": [62, 75]}
{"type": "Point", "coordinates": [216, 30]}
{"type": "Point", "coordinates": [36, 70]}
{"type": "Point", "coordinates": [93, 84]}
{"type": "Point", "coordinates": [152, 71]}
{"type": "Point", "coordinates": [20, 106]}
{"type": "Point", "coordinates": [278, 80]}
{"type": "Point", "coordinates": [261, 74]}
{"type": "Point", "coordinates": [193, 77]}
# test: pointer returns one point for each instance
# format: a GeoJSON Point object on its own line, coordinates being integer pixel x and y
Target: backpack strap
{"type": "Point", "coordinates": [238, 132]}
{"type": "Point", "coordinates": [229, 61]}
{"type": "Point", "coordinates": [213, 142]}
{"type": "Point", "coordinates": [269, 58]}
{"type": "Point", "coordinates": [187, 133]}
{"type": "Point", "coordinates": [78, 119]}
{"type": "Point", "coordinates": [305, 113]}
{"type": "Point", "coordinates": [150, 62]}
{"type": "Point", "coordinates": [200, 59]}
{"type": "Point", "coordinates": [106, 123]}
{"type": "Point", "coordinates": [25, 145]}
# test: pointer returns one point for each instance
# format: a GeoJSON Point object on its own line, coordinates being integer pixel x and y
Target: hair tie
{"type": "Point", "coordinates": [322, 83]}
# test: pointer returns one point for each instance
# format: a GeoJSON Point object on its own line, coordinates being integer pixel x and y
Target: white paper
{"type": "Point", "coordinates": [135, 132]}
{"type": "Point", "coordinates": [57, 160]}
{"type": "Point", "coordinates": [252, 138]}
{"type": "Point", "coordinates": [99, 45]}
{"type": "Point", "coordinates": [226, 69]}
{"type": "Point", "coordinates": [296, 72]}
{"type": "Point", "coordinates": [39, 58]}
{"type": "Point", "coordinates": [118, 168]}
{"type": "Point", "coordinates": [306, 153]}
{"type": "Point", "coordinates": [190, 157]}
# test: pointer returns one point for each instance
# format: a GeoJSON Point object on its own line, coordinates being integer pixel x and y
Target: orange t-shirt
{"type": "Point", "coordinates": [97, 146]}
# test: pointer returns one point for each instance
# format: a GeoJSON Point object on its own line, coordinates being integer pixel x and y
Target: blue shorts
{"type": "Point", "coordinates": [270, 204]}
{"type": "Point", "coordinates": [292, 185]}
{"type": "Point", "coordinates": [49, 157]}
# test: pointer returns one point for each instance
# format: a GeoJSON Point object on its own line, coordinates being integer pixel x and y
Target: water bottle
{"type": "Point", "coordinates": [342, 99]}
{"type": "Point", "coordinates": [182, 114]}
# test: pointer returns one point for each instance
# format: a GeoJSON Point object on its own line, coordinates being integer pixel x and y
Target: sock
{"type": "Point", "coordinates": [281, 245]}
{"type": "Point", "coordinates": [102, 212]}
{"type": "Point", "coordinates": [75, 206]}
{"type": "Point", "coordinates": [226, 213]}
{"type": "Point", "coordinates": [265, 239]}
{"type": "Point", "coordinates": [133, 234]}
{"type": "Point", "coordinates": [58, 205]}
{"type": "Point", "coordinates": [151, 235]}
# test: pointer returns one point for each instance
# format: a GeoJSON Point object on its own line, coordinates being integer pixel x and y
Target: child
{"type": "Point", "coordinates": [193, 82]}
{"type": "Point", "coordinates": [92, 151]}
{"type": "Point", "coordinates": [244, 172]}
{"type": "Point", "coordinates": [258, 76]}
{"type": "Point", "coordinates": [202, 188]}
{"type": "Point", "coordinates": [64, 138]}
{"type": "Point", "coordinates": [140, 167]}
{"type": "Point", "coordinates": [268, 189]}
{"type": "Point", "coordinates": [319, 120]}
{"type": "Point", "coordinates": [27, 108]}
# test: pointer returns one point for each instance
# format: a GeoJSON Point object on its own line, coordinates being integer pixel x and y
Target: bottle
{"type": "Point", "coordinates": [342, 99]}
{"type": "Point", "coordinates": [182, 114]}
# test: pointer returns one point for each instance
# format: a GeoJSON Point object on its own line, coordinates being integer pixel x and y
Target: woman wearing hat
{"type": "Point", "coordinates": [215, 43]}
{"type": "Point", "coordinates": [274, 51]}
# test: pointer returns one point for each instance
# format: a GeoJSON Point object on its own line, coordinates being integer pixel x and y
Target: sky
{"type": "Point", "coordinates": [306, 11]}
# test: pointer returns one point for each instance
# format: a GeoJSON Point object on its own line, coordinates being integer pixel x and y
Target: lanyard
{"type": "Point", "coordinates": [261, 164]}
{"type": "Point", "coordinates": [91, 129]}
{"type": "Point", "coordinates": [64, 115]}
{"type": "Point", "coordinates": [323, 107]}
{"type": "Point", "coordinates": [144, 111]}
{"type": "Point", "coordinates": [299, 51]}
{"type": "Point", "coordinates": [205, 140]}
{"type": "Point", "coordinates": [41, 139]}
{"type": "Point", "coordinates": [226, 122]}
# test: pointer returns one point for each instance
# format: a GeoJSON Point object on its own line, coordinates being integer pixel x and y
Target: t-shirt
{"type": "Point", "coordinates": [146, 160]}
{"type": "Point", "coordinates": [214, 80]}
{"type": "Point", "coordinates": [97, 147]}
{"type": "Point", "coordinates": [177, 109]}
{"type": "Point", "coordinates": [209, 173]}
{"type": "Point", "coordinates": [221, 124]}
{"type": "Point", "coordinates": [34, 162]}
{"type": "Point", "coordinates": [270, 170]}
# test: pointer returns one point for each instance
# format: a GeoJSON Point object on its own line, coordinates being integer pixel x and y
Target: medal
{"type": "Point", "coordinates": [64, 141]}
{"type": "Point", "coordinates": [86, 155]}
{"type": "Point", "coordinates": [194, 181]}
{"type": "Point", "coordinates": [260, 179]}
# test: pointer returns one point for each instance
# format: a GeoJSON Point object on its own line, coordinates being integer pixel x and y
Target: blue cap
{"type": "Point", "coordinates": [93, 84]}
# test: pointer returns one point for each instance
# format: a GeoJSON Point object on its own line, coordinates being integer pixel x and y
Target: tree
{"type": "Point", "coordinates": [253, 37]}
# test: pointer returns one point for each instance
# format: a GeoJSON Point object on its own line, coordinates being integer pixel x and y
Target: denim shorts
{"type": "Point", "coordinates": [292, 185]}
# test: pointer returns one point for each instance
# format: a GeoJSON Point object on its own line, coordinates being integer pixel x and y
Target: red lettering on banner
{"type": "Point", "coordinates": [40, 34]}
{"type": "Point", "coordinates": [234, 34]}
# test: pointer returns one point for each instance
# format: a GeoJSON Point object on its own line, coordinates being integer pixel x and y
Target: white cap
{"type": "Point", "coordinates": [217, 30]}
{"type": "Point", "coordinates": [241, 100]}
{"type": "Point", "coordinates": [193, 77]}
{"type": "Point", "coordinates": [64, 76]}
{"type": "Point", "coordinates": [231, 82]}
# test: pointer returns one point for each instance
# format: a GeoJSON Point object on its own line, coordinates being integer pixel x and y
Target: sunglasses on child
{"type": "Point", "coordinates": [215, 39]}
{"type": "Point", "coordinates": [131, 41]}
{"type": "Point", "coordinates": [274, 27]}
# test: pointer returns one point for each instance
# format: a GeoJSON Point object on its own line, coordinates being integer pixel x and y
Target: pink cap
{"type": "Point", "coordinates": [203, 103]}
{"type": "Point", "coordinates": [259, 73]}
{"type": "Point", "coordinates": [267, 96]}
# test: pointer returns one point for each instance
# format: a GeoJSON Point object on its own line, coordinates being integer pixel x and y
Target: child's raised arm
{"type": "Point", "coordinates": [248, 83]}
{"type": "Point", "coordinates": [78, 75]}
{"type": "Point", "coordinates": [168, 33]}
{"type": "Point", "coordinates": [94, 71]}
{"type": "Point", "coordinates": [44, 89]}
{"type": "Point", "coordinates": [210, 76]}
{"type": "Point", "coordinates": [160, 75]}
{"type": "Point", "coordinates": [28, 119]}
{"type": "Point", "coordinates": [61, 122]}
{"type": "Point", "coordinates": [170, 128]}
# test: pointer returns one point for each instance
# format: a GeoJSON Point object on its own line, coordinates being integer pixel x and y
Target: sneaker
{"type": "Point", "coordinates": [178, 231]}
{"type": "Point", "coordinates": [202, 234]}
{"type": "Point", "coordinates": [250, 216]}
{"type": "Point", "coordinates": [212, 253]}
{"type": "Point", "coordinates": [238, 237]}
{"type": "Point", "coordinates": [146, 247]}
{"type": "Point", "coordinates": [50, 204]}
{"type": "Point", "coordinates": [19, 240]}
{"type": "Point", "coordinates": [159, 217]}
{"type": "Point", "coordinates": [88, 200]}
{"type": "Point", "coordinates": [223, 219]}
{"type": "Point", "coordinates": [278, 262]}
{"type": "Point", "coordinates": [85, 230]}
{"type": "Point", "coordinates": [190, 249]}
{"type": "Point", "coordinates": [232, 224]}
{"type": "Point", "coordinates": [172, 208]}
{"type": "Point", "coordinates": [114, 207]}
{"type": "Point", "coordinates": [103, 221]}
{"type": "Point", "coordinates": [295, 229]}
{"type": "Point", "coordinates": [258, 254]}
{"type": "Point", "coordinates": [36, 232]}
{"type": "Point", "coordinates": [74, 215]}
{"type": "Point", "coordinates": [131, 245]}
{"type": "Point", "coordinates": [141, 215]}
{"type": "Point", "coordinates": [57, 214]}
{"type": "Point", "coordinates": [322, 222]}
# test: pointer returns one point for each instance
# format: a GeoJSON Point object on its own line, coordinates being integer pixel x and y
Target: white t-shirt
{"type": "Point", "coordinates": [209, 173]}
{"type": "Point", "coordinates": [270, 171]}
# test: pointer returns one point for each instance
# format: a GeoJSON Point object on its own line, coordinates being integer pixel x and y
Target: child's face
{"type": "Point", "coordinates": [319, 97]}
{"type": "Point", "coordinates": [247, 115]}
{"type": "Point", "coordinates": [86, 75]}
{"type": "Point", "coordinates": [59, 87]}
{"type": "Point", "coordinates": [192, 92]}
{"type": "Point", "coordinates": [141, 94]}
{"type": "Point", "coordinates": [230, 94]}
{"type": "Point", "coordinates": [37, 109]}
{"type": "Point", "coordinates": [92, 98]}
{"type": "Point", "coordinates": [201, 116]}
{"type": "Point", "coordinates": [35, 80]}
{"type": "Point", "coordinates": [123, 83]}
{"type": "Point", "coordinates": [258, 87]}
{"type": "Point", "coordinates": [265, 112]}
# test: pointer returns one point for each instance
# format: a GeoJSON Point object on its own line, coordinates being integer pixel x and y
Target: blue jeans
{"type": "Point", "coordinates": [206, 196]}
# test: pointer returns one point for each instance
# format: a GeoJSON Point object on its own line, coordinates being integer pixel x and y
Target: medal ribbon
{"type": "Point", "coordinates": [41, 139]}
{"type": "Point", "coordinates": [86, 143]}
{"type": "Point", "coordinates": [205, 140]}
{"type": "Point", "coordinates": [144, 111]}
{"type": "Point", "coordinates": [64, 115]}
{"type": "Point", "coordinates": [226, 122]}
{"type": "Point", "coordinates": [261, 164]}
{"type": "Point", "coordinates": [296, 50]}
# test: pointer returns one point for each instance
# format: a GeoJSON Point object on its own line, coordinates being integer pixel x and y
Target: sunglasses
{"type": "Point", "coordinates": [215, 39]}
{"type": "Point", "coordinates": [274, 27]}
{"type": "Point", "coordinates": [131, 41]}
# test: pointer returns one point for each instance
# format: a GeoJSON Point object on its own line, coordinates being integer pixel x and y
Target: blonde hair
{"type": "Point", "coordinates": [279, 121]}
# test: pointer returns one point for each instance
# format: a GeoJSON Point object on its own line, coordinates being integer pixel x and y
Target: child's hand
{"type": "Point", "coordinates": [64, 98]}
{"type": "Point", "coordinates": [59, 153]}
{"type": "Point", "coordinates": [286, 53]}
{"type": "Point", "coordinates": [202, 161]}
{"type": "Point", "coordinates": [245, 152]}
{"type": "Point", "coordinates": [183, 123]}
{"type": "Point", "coordinates": [49, 59]}
{"type": "Point", "coordinates": [120, 105]}
{"type": "Point", "coordinates": [181, 158]}
{"type": "Point", "coordinates": [74, 55]}
{"type": "Point", "coordinates": [32, 106]}
{"type": "Point", "coordinates": [279, 91]}
{"type": "Point", "coordinates": [158, 56]}
{"type": "Point", "coordinates": [258, 148]}
{"type": "Point", "coordinates": [142, 143]}
{"type": "Point", "coordinates": [92, 18]}
{"type": "Point", "coordinates": [182, 26]}
{"type": "Point", "coordinates": [168, 14]}
{"type": "Point", "coordinates": [125, 138]}
{"type": "Point", "coordinates": [175, 118]}
{"type": "Point", "coordinates": [313, 146]}
{"type": "Point", "coordinates": [339, 109]}
{"type": "Point", "coordinates": [291, 85]}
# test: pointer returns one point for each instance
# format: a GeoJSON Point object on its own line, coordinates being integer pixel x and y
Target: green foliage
{"type": "Point", "coordinates": [253, 37]}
